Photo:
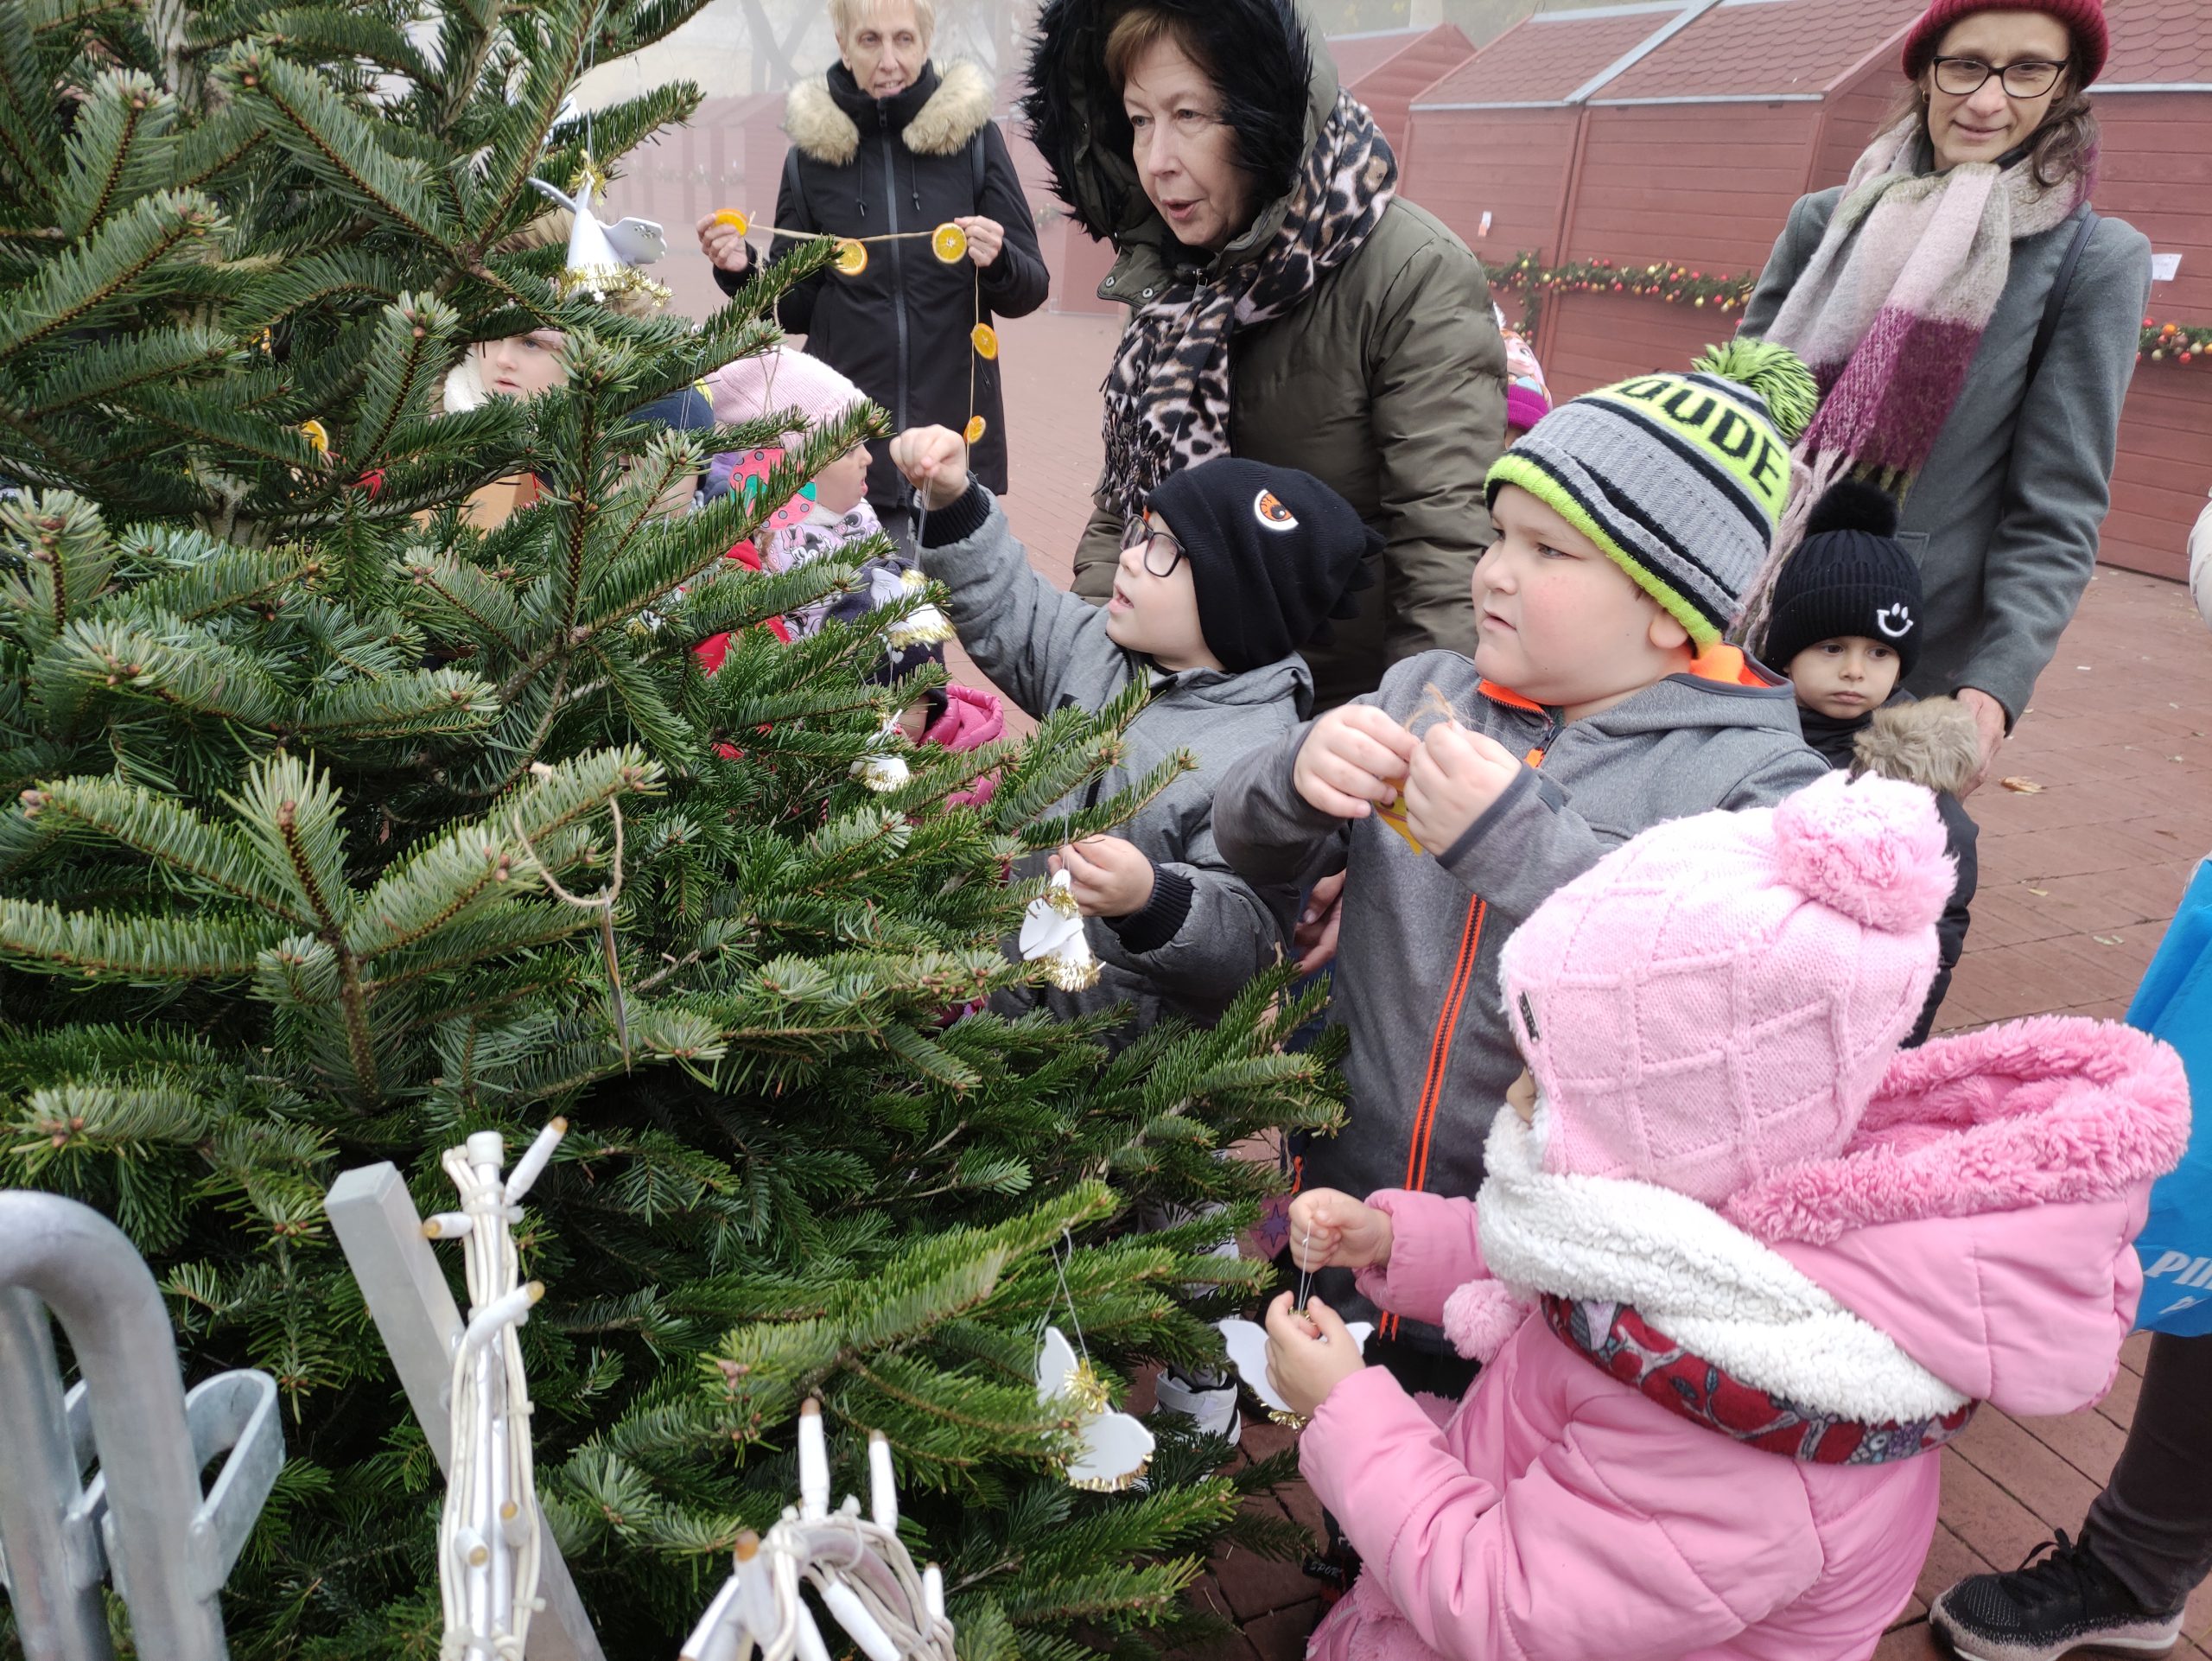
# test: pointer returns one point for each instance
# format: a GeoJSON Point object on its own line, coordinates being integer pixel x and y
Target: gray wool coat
{"type": "Point", "coordinates": [2004, 518]}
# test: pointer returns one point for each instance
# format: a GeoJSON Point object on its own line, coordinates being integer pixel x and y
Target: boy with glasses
{"type": "Point", "coordinates": [1231, 569]}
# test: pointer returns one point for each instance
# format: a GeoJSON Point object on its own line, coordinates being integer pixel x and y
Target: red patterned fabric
{"type": "Point", "coordinates": [1617, 1341]}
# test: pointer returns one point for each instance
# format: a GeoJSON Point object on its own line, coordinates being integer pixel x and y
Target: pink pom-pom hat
{"type": "Point", "coordinates": [1716, 1000]}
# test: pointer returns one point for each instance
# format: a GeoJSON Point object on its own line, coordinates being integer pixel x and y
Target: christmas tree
{"type": "Point", "coordinates": [338, 827]}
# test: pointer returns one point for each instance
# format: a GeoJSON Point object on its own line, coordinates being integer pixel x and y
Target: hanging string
{"type": "Point", "coordinates": [1074, 1319]}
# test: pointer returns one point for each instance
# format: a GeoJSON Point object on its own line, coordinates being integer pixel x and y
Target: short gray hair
{"type": "Point", "coordinates": [846, 16]}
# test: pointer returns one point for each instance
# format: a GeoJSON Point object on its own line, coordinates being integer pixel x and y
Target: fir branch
{"type": "Point", "coordinates": [207, 944]}
{"type": "Point", "coordinates": [78, 285]}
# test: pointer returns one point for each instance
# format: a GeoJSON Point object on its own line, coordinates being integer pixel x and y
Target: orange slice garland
{"type": "Point", "coordinates": [987, 341]}
{"type": "Point", "coordinates": [852, 258]}
{"type": "Point", "coordinates": [976, 428]}
{"type": "Point", "coordinates": [317, 435]}
{"type": "Point", "coordinates": [949, 243]}
{"type": "Point", "coordinates": [735, 220]}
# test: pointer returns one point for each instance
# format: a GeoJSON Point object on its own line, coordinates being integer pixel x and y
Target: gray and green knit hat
{"type": "Point", "coordinates": [1680, 479]}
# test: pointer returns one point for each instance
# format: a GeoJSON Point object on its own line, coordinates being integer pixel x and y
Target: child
{"type": "Point", "coordinates": [1776, 1262]}
{"type": "Point", "coordinates": [1846, 629]}
{"type": "Point", "coordinates": [1232, 568]}
{"type": "Point", "coordinates": [1528, 397]}
{"type": "Point", "coordinates": [1601, 700]}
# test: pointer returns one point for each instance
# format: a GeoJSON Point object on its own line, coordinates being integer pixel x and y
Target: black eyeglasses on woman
{"type": "Point", "coordinates": [1964, 77]}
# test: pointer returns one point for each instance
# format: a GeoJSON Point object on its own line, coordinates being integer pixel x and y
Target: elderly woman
{"type": "Point", "coordinates": [1285, 305]}
{"type": "Point", "coordinates": [1974, 326]}
{"type": "Point", "coordinates": [883, 144]}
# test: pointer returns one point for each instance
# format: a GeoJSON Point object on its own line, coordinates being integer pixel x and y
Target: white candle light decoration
{"type": "Point", "coordinates": [488, 1538]}
{"type": "Point", "coordinates": [855, 1562]}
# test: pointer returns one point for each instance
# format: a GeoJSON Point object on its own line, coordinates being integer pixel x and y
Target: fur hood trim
{"type": "Point", "coordinates": [2053, 1111]}
{"type": "Point", "coordinates": [954, 114]}
{"type": "Point", "coordinates": [1932, 743]}
{"type": "Point", "coordinates": [1705, 1282]}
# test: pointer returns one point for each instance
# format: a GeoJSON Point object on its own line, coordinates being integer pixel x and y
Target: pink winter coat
{"type": "Point", "coordinates": [1979, 1222]}
{"type": "Point", "coordinates": [972, 718]}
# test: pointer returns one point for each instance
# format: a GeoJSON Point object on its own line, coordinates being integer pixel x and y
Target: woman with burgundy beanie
{"type": "Point", "coordinates": [1973, 323]}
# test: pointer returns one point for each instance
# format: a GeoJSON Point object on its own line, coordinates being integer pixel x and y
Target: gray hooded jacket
{"type": "Point", "coordinates": [1416, 980]}
{"type": "Point", "coordinates": [1206, 931]}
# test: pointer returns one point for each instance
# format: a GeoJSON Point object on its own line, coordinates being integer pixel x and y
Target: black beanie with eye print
{"type": "Point", "coordinates": [1274, 553]}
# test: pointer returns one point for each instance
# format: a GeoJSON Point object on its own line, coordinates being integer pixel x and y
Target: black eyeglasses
{"type": "Point", "coordinates": [1162, 553]}
{"type": "Point", "coordinates": [1964, 77]}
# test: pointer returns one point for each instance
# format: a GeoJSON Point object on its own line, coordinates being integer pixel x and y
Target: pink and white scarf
{"type": "Point", "coordinates": [1889, 313]}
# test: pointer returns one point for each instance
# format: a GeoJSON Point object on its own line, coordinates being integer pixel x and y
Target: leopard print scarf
{"type": "Point", "coordinates": [1167, 394]}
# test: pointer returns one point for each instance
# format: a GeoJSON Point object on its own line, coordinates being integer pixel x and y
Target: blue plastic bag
{"type": "Point", "coordinates": [2175, 1004]}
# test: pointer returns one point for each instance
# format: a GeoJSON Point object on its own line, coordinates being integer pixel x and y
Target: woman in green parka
{"type": "Point", "coordinates": [1285, 304]}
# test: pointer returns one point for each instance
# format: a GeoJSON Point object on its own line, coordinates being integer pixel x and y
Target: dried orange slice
{"type": "Point", "coordinates": [949, 243]}
{"type": "Point", "coordinates": [987, 341]}
{"type": "Point", "coordinates": [735, 220]}
{"type": "Point", "coordinates": [852, 258]}
{"type": "Point", "coordinates": [976, 428]}
{"type": "Point", "coordinates": [317, 435]}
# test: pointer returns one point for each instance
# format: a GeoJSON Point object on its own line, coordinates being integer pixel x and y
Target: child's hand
{"type": "Point", "coordinates": [1455, 779]}
{"type": "Point", "coordinates": [1111, 877]}
{"type": "Point", "coordinates": [1309, 1353]}
{"type": "Point", "coordinates": [935, 461]}
{"type": "Point", "coordinates": [1332, 1230]}
{"type": "Point", "coordinates": [1355, 757]}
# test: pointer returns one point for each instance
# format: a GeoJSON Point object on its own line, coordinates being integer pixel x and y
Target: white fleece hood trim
{"type": "Point", "coordinates": [1697, 1278]}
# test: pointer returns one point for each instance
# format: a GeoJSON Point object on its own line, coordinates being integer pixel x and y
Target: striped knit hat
{"type": "Point", "coordinates": [1682, 480]}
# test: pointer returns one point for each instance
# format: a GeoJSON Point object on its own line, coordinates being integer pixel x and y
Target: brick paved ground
{"type": "Point", "coordinates": [2078, 881]}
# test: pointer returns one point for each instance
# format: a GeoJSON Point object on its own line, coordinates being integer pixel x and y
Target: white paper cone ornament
{"type": "Point", "coordinates": [1116, 1448]}
{"type": "Point", "coordinates": [885, 772]}
{"type": "Point", "coordinates": [1052, 932]}
{"type": "Point", "coordinates": [603, 258]}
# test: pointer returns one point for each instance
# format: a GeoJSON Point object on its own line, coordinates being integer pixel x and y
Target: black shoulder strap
{"type": "Point", "coordinates": [2056, 302]}
{"type": "Point", "coordinates": [978, 161]}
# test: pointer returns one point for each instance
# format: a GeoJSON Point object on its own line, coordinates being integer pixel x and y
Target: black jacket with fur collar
{"type": "Point", "coordinates": [901, 330]}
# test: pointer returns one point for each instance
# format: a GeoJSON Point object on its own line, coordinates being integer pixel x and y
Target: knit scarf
{"type": "Point", "coordinates": [1888, 313]}
{"type": "Point", "coordinates": [1167, 394]}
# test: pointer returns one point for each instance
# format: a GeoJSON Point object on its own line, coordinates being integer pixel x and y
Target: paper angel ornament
{"type": "Point", "coordinates": [603, 258]}
{"type": "Point", "coordinates": [1052, 931]}
{"type": "Point", "coordinates": [1116, 1448]}
{"type": "Point", "coordinates": [926, 627]}
{"type": "Point", "coordinates": [1248, 1352]}
{"type": "Point", "coordinates": [884, 772]}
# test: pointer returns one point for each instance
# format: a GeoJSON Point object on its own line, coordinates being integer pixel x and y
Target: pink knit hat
{"type": "Point", "coordinates": [1716, 1000]}
{"type": "Point", "coordinates": [782, 378]}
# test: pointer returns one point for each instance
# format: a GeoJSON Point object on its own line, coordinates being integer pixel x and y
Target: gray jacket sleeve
{"type": "Point", "coordinates": [1031, 637]}
{"type": "Point", "coordinates": [1228, 932]}
{"type": "Point", "coordinates": [2059, 485]}
{"type": "Point", "coordinates": [1793, 251]}
{"type": "Point", "coordinates": [1266, 831]}
{"type": "Point", "coordinates": [1532, 842]}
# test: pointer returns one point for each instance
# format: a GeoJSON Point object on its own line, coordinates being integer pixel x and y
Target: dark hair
{"type": "Point", "coordinates": [2065, 146]}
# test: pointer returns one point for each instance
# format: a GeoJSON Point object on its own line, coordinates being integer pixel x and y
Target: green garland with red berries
{"type": "Point", "coordinates": [1682, 285]}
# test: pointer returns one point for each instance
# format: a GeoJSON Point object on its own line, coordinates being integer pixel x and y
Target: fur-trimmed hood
{"type": "Point", "coordinates": [1261, 50]}
{"type": "Point", "coordinates": [1933, 743]}
{"type": "Point", "coordinates": [1972, 1242]}
{"type": "Point", "coordinates": [937, 116]}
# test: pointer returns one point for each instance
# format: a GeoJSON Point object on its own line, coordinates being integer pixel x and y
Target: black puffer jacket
{"type": "Point", "coordinates": [1933, 744]}
{"type": "Point", "coordinates": [900, 331]}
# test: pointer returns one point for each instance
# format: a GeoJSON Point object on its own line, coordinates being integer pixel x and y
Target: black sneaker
{"type": "Point", "coordinates": [2050, 1606]}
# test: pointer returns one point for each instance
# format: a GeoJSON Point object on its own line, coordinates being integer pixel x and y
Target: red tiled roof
{"type": "Point", "coordinates": [1543, 58]}
{"type": "Point", "coordinates": [1745, 48]}
{"type": "Point", "coordinates": [2160, 41]}
{"type": "Point", "coordinates": [1359, 55]}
